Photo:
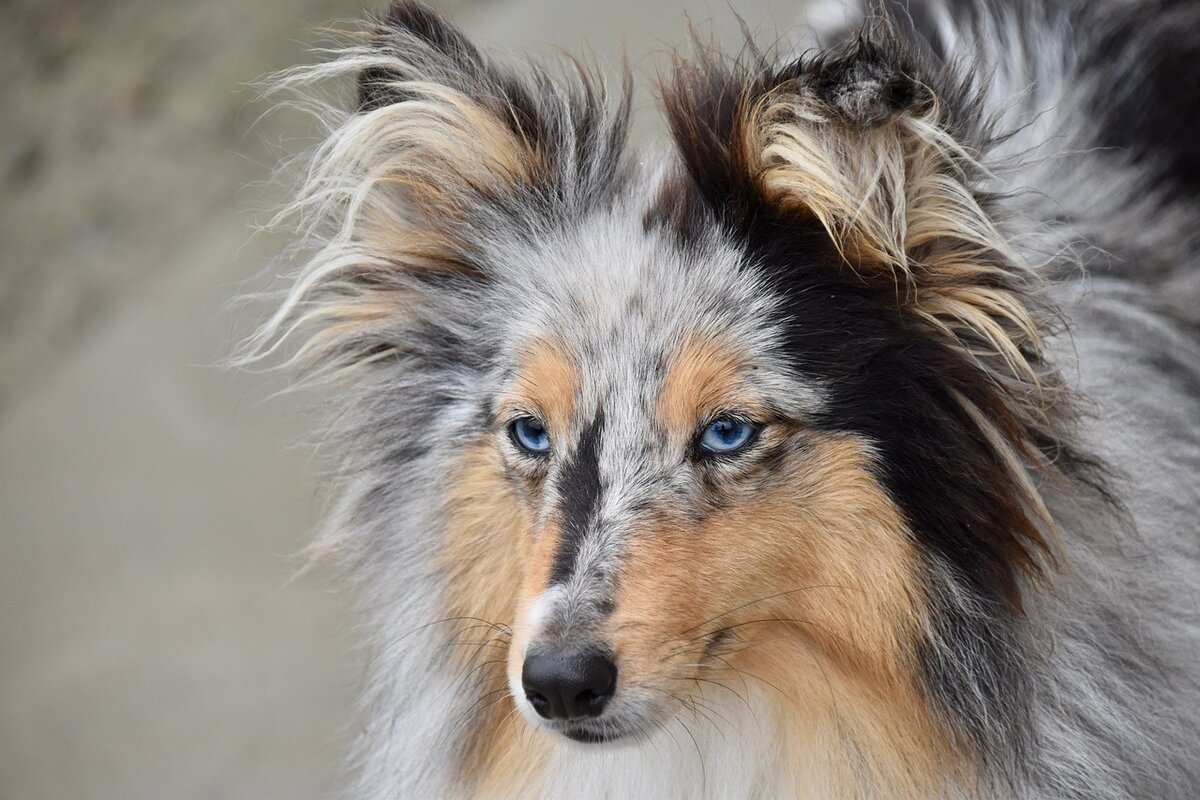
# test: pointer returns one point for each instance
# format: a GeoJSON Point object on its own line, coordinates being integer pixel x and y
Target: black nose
{"type": "Point", "coordinates": [568, 686]}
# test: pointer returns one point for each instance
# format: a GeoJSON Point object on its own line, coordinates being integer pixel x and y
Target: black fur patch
{"type": "Point", "coordinates": [581, 489]}
{"type": "Point", "coordinates": [864, 87]}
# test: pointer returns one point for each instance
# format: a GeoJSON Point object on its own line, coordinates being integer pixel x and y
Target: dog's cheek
{"type": "Point", "coordinates": [840, 559]}
{"type": "Point", "coordinates": [486, 541]}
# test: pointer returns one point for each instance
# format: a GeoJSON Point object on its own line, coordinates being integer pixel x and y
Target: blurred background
{"type": "Point", "coordinates": [152, 642]}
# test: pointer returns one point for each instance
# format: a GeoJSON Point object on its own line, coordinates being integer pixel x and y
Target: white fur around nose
{"type": "Point", "coordinates": [541, 610]}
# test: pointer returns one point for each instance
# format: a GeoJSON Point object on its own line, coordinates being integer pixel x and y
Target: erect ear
{"type": "Point", "coordinates": [445, 158]}
{"type": "Point", "coordinates": [878, 146]}
{"type": "Point", "coordinates": [875, 147]}
{"type": "Point", "coordinates": [461, 132]}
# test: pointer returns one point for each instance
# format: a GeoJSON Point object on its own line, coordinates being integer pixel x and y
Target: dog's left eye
{"type": "Point", "coordinates": [726, 435]}
{"type": "Point", "coordinates": [530, 435]}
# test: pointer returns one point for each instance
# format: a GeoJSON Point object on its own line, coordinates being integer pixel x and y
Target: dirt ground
{"type": "Point", "coordinates": [152, 642]}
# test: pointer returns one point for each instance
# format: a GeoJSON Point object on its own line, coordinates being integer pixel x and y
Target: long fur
{"type": "Point", "coordinates": [894, 227]}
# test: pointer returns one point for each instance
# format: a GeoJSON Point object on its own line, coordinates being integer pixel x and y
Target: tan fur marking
{"type": "Point", "coordinates": [832, 556]}
{"type": "Point", "coordinates": [484, 553]}
{"type": "Point", "coordinates": [513, 758]}
{"type": "Point", "coordinates": [703, 377]}
{"type": "Point", "coordinates": [548, 381]}
{"type": "Point", "coordinates": [464, 143]}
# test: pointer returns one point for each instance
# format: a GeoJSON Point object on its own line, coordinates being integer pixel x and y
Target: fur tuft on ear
{"type": "Point", "coordinates": [444, 155]}
{"type": "Point", "coordinates": [502, 138]}
{"type": "Point", "coordinates": [867, 149]}
{"type": "Point", "coordinates": [854, 140]}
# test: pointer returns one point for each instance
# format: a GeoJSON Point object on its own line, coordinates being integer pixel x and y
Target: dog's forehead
{"type": "Point", "coordinates": [621, 299]}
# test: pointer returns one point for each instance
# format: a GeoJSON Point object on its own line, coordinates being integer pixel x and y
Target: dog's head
{"type": "Point", "coordinates": [759, 408]}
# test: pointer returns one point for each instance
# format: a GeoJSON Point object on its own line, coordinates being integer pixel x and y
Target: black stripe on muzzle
{"type": "Point", "coordinates": [581, 491]}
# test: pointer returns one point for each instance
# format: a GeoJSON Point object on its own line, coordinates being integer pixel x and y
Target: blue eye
{"type": "Point", "coordinates": [530, 435]}
{"type": "Point", "coordinates": [726, 435]}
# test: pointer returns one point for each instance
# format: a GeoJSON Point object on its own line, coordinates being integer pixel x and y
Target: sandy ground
{"type": "Point", "coordinates": [151, 642]}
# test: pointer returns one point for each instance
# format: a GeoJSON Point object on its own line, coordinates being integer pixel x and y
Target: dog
{"type": "Point", "coordinates": [846, 447]}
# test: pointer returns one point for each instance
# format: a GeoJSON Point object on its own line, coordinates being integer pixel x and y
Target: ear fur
{"type": "Point", "coordinates": [856, 141]}
{"type": "Point", "coordinates": [444, 154]}
{"type": "Point", "coordinates": [860, 143]}
{"type": "Point", "coordinates": [471, 125]}
{"type": "Point", "coordinates": [877, 147]}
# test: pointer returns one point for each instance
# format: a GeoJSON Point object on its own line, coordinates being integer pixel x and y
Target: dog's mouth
{"type": "Point", "coordinates": [591, 734]}
{"type": "Point", "coordinates": [599, 731]}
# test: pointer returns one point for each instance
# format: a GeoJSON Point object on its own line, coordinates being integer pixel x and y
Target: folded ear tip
{"type": "Point", "coordinates": [866, 88]}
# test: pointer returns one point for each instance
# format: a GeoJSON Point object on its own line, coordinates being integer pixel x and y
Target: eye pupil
{"type": "Point", "coordinates": [726, 435]}
{"type": "Point", "coordinates": [530, 435]}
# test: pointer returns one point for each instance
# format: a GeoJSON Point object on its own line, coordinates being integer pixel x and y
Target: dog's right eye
{"type": "Point", "coordinates": [726, 436]}
{"type": "Point", "coordinates": [530, 435]}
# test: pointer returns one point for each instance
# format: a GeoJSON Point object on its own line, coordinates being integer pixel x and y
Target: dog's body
{"type": "Point", "coordinates": [775, 455]}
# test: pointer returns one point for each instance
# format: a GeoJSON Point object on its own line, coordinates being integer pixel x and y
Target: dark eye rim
{"type": "Point", "coordinates": [704, 454]}
{"type": "Point", "coordinates": [516, 440]}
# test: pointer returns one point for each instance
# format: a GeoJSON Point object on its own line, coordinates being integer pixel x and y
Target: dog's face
{"type": "Point", "coordinates": [758, 411]}
{"type": "Point", "coordinates": [684, 515]}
